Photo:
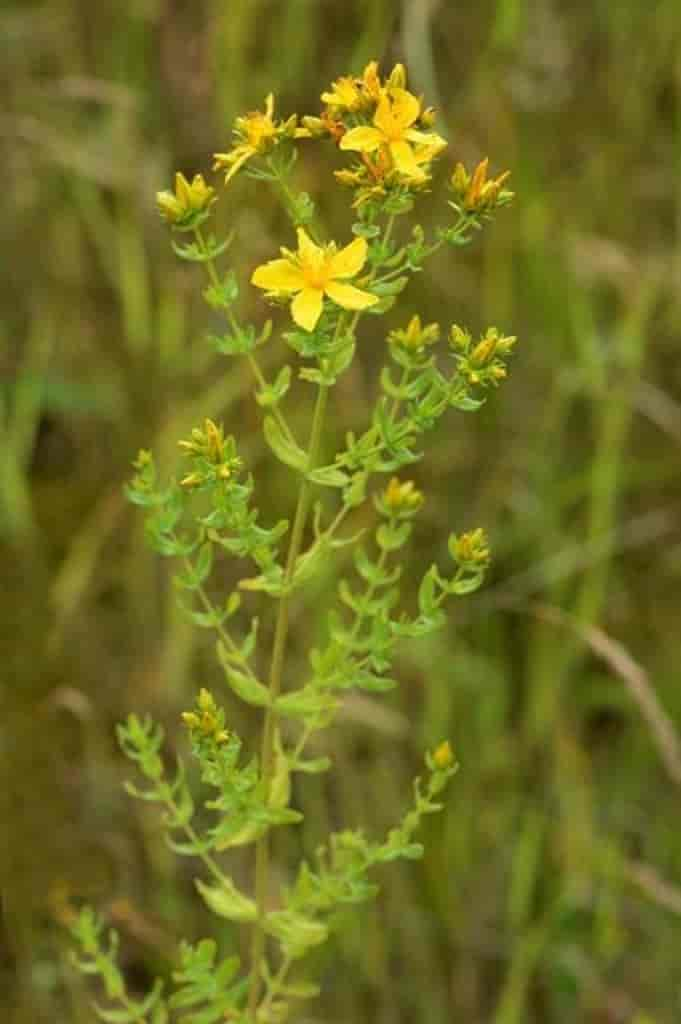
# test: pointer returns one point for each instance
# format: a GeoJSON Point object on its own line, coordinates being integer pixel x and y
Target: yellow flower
{"type": "Point", "coordinates": [182, 205]}
{"type": "Point", "coordinates": [396, 113]}
{"type": "Point", "coordinates": [313, 272]}
{"type": "Point", "coordinates": [371, 83]}
{"type": "Point", "coordinates": [255, 133]}
{"type": "Point", "coordinates": [344, 94]}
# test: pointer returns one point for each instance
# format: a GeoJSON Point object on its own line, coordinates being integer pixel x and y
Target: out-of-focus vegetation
{"type": "Point", "coordinates": [552, 887]}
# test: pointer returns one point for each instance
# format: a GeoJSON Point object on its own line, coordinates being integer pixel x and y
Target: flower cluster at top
{"type": "Point", "coordinates": [388, 134]}
{"type": "Point", "coordinates": [381, 121]}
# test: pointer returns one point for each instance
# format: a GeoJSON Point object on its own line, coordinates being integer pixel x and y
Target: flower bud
{"type": "Point", "coordinates": [180, 209]}
{"type": "Point", "coordinates": [443, 756]}
{"type": "Point", "coordinates": [371, 82]}
{"type": "Point", "coordinates": [470, 549]}
{"type": "Point", "coordinates": [192, 480]}
{"type": "Point", "coordinates": [459, 181]}
{"type": "Point", "coordinates": [459, 338]}
{"type": "Point", "coordinates": [415, 336]}
{"type": "Point", "coordinates": [398, 77]}
{"type": "Point", "coordinates": [205, 700]}
{"type": "Point", "coordinates": [315, 126]}
{"type": "Point", "coordinates": [484, 351]}
{"type": "Point", "coordinates": [401, 497]}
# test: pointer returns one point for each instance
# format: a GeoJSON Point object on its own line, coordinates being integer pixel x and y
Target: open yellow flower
{"type": "Point", "coordinates": [255, 133]}
{"type": "Point", "coordinates": [345, 94]}
{"type": "Point", "coordinates": [396, 113]}
{"type": "Point", "coordinates": [313, 272]}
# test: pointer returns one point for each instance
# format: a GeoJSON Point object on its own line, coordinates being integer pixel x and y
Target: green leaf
{"type": "Point", "coordinates": [391, 538]}
{"type": "Point", "coordinates": [269, 396]}
{"type": "Point", "coordinates": [246, 687]}
{"type": "Point", "coordinates": [299, 990]}
{"type": "Point", "coordinates": [305, 702]}
{"type": "Point", "coordinates": [225, 900]}
{"type": "Point", "coordinates": [328, 476]}
{"type": "Point", "coordinates": [194, 575]}
{"type": "Point", "coordinates": [466, 586]}
{"type": "Point", "coordinates": [283, 447]}
{"type": "Point", "coordinates": [427, 593]}
{"type": "Point", "coordinates": [223, 295]}
{"type": "Point", "coordinates": [296, 933]}
{"type": "Point", "coordinates": [390, 287]}
{"type": "Point", "coordinates": [195, 254]}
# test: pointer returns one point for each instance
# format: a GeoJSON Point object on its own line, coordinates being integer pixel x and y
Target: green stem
{"type": "Point", "coordinates": [278, 653]}
{"type": "Point", "coordinates": [227, 640]}
{"type": "Point", "coordinates": [276, 983]}
{"type": "Point", "coordinates": [191, 835]}
{"type": "Point", "coordinates": [252, 361]}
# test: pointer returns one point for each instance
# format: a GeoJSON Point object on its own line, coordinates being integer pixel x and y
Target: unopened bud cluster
{"type": "Point", "coordinates": [476, 193]}
{"type": "Point", "coordinates": [208, 720]}
{"type": "Point", "coordinates": [482, 362]}
{"type": "Point", "coordinates": [415, 336]}
{"type": "Point", "coordinates": [188, 206]}
{"type": "Point", "coordinates": [214, 455]}
{"type": "Point", "coordinates": [470, 550]}
{"type": "Point", "coordinates": [400, 499]}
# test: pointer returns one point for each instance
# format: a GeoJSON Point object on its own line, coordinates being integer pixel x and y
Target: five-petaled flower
{"type": "Point", "coordinates": [396, 114]}
{"type": "Point", "coordinates": [255, 133]}
{"type": "Point", "coordinates": [314, 272]}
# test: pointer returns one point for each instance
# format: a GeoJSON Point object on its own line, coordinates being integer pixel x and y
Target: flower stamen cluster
{"type": "Point", "coordinates": [481, 363]}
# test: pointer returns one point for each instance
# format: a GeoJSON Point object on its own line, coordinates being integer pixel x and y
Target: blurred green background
{"type": "Point", "coordinates": [551, 891]}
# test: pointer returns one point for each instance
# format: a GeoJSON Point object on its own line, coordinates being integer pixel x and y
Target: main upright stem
{"type": "Point", "coordinates": [278, 652]}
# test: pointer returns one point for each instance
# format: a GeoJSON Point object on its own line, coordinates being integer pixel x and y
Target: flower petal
{"type": "Point", "coordinates": [310, 254]}
{"type": "Point", "coordinates": [431, 139]}
{"type": "Point", "coordinates": [349, 297]}
{"type": "Point", "coordinates": [278, 276]}
{"type": "Point", "coordinates": [383, 118]}
{"type": "Point", "coordinates": [362, 140]}
{"type": "Point", "coordinates": [404, 159]}
{"type": "Point", "coordinates": [237, 158]}
{"type": "Point", "coordinates": [406, 108]}
{"type": "Point", "coordinates": [350, 260]}
{"type": "Point", "coordinates": [306, 308]}
{"type": "Point", "coordinates": [269, 106]}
